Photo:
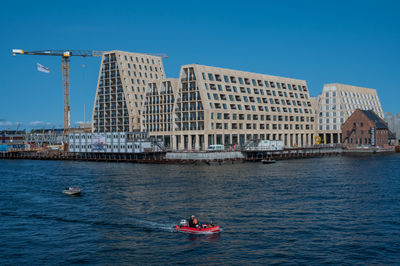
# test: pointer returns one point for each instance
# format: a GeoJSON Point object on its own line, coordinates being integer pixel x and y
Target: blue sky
{"type": "Point", "coordinates": [350, 42]}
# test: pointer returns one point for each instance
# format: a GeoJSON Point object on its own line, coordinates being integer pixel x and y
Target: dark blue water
{"type": "Point", "coordinates": [326, 210]}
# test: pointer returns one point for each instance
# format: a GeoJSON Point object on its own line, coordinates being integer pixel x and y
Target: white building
{"type": "Point", "coordinates": [393, 121]}
{"type": "Point", "coordinates": [117, 142]}
{"type": "Point", "coordinates": [337, 102]}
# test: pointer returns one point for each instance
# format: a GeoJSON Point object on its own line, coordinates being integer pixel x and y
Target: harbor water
{"type": "Point", "coordinates": [341, 210]}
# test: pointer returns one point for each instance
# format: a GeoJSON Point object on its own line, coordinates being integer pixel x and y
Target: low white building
{"type": "Point", "coordinates": [266, 145]}
{"type": "Point", "coordinates": [112, 142]}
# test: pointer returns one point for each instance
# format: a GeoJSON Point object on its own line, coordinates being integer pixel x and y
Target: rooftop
{"type": "Point", "coordinates": [242, 71]}
{"type": "Point", "coordinates": [379, 122]}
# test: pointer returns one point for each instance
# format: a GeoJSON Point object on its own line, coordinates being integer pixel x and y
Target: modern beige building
{"type": "Point", "coordinates": [222, 106]}
{"type": "Point", "coordinates": [159, 109]}
{"type": "Point", "coordinates": [121, 87]}
{"type": "Point", "coordinates": [206, 105]}
{"type": "Point", "coordinates": [337, 102]}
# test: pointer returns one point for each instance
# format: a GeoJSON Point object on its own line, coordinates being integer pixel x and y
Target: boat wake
{"type": "Point", "coordinates": [154, 225]}
{"type": "Point", "coordinates": [126, 223]}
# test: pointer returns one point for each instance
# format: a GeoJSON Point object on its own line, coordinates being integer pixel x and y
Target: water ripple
{"type": "Point", "coordinates": [337, 210]}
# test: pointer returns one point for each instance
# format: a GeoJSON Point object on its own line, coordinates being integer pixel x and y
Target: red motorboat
{"type": "Point", "coordinates": [202, 229]}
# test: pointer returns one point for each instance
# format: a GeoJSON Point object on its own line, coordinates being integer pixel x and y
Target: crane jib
{"type": "Point", "coordinates": [65, 55]}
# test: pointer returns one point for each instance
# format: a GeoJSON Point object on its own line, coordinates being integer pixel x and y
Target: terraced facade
{"type": "Point", "coordinates": [336, 104]}
{"type": "Point", "coordinates": [222, 106]}
{"type": "Point", "coordinates": [121, 87]}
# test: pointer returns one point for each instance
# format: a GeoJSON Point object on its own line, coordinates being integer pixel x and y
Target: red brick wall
{"type": "Point", "coordinates": [382, 137]}
{"type": "Point", "coordinates": [362, 134]}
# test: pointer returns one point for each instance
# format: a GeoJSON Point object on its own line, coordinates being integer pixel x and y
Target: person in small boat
{"type": "Point", "coordinates": [193, 222]}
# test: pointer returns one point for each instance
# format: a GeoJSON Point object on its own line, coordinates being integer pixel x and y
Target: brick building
{"type": "Point", "coordinates": [364, 128]}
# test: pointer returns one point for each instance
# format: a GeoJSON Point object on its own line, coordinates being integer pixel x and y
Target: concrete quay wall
{"type": "Point", "coordinates": [178, 157]}
{"type": "Point", "coordinates": [204, 155]}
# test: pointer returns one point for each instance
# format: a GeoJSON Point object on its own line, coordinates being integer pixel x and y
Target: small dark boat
{"type": "Point", "coordinates": [268, 161]}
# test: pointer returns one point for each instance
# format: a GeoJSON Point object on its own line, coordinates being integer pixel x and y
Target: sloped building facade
{"type": "Point", "coordinates": [121, 87]}
{"type": "Point", "coordinates": [205, 106]}
{"type": "Point", "coordinates": [337, 102]}
{"type": "Point", "coordinates": [222, 106]}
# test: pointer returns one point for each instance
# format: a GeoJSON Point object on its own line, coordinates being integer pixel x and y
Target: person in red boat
{"type": "Point", "coordinates": [193, 222]}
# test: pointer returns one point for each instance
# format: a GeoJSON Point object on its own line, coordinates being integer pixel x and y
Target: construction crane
{"type": "Point", "coordinates": [65, 58]}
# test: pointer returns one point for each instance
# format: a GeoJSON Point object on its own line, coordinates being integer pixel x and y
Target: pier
{"type": "Point", "coordinates": [294, 153]}
{"type": "Point", "coordinates": [181, 157]}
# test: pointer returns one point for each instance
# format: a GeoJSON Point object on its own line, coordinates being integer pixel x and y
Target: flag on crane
{"type": "Point", "coordinates": [42, 68]}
